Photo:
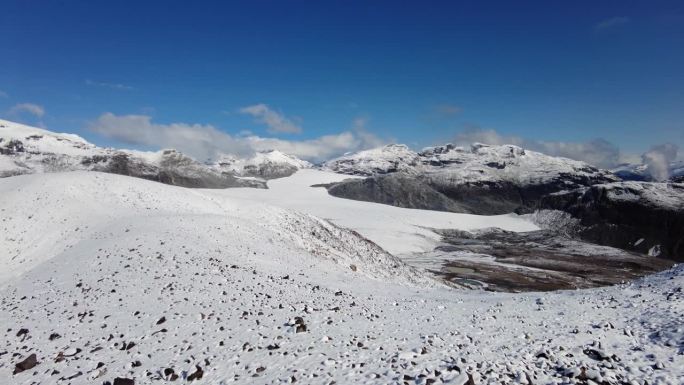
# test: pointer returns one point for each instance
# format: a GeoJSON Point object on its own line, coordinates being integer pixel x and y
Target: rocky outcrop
{"type": "Point", "coordinates": [639, 216]}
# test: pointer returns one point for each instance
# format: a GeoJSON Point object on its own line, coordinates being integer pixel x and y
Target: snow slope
{"type": "Point", "coordinates": [110, 277]}
{"type": "Point", "coordinates": [397, 230]}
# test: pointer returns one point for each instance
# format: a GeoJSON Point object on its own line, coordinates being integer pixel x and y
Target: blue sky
{"type": "Point", "coordinates": [414, 72]}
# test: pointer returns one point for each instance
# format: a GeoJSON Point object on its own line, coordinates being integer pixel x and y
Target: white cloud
{"type": "Point", "coordinates": [486, 136]}
{"type": "Point", "coordinates": [318, 149]}
{"type": "Point", "coordinates": [658, 160]}
{"type": "Point", "coordinates": [207, 142]}
{"type": "Point", "coordinates": [29, 108]}
{"type": "Point", "coordinates": [198, 140]}
{"type": "Point", "coordinates": [113, 86]}
{"type": "Point", "coordinates": [611, 23]}
{"type": "Point", "coordinates": [276, 122]}
{"type": "Point", "coordinates": [597, 152]}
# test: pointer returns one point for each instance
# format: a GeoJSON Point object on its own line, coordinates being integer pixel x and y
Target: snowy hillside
{"type": "Point", "coordinates": [114, 279]}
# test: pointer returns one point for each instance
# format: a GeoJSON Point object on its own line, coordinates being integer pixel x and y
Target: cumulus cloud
{"type": "Point", "coordinates": [276, 122]}
{"type": "Point", "coordinates": [207, 142]}
{"type": "Point", "coordinates": [611, 23]}
{"type": "Point", "coordinates": [318, 149]}
{"type": "Point", "coordinates": [197, 140]}
{"type": "Point", "coordinates": [113, 86]}
{"type": "Point", "coordinates": [29, 108]}
{"type": "Point", "coordinates": [487, 136]}
{"type": "Point", "coordinates": [598, 152]}
{"type": "Point", "coordinates": [367, 138]}
{"type": "Point", "coordinates": [658, 160]}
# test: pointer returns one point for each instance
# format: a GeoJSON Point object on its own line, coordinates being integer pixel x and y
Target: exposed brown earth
{"type": "Point", "coordinates": [534, 261]}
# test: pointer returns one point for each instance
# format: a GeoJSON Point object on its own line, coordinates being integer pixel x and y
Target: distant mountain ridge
{"type": "Point", "coordinates": [482, 179]}
{"type": "Point", "coordinates": [27, 150]}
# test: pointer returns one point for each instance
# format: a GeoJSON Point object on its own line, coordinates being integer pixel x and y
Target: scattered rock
{"type": "Point", "coordinates": [123, 381]}
{"type": "Point", "coordinates": [197, 375]}
{"type": "Point", "coordinates": [26, 364]}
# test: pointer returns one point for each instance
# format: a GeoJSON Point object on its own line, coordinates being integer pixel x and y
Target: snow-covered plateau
{"type": "Point", "coordinates": [110, 279]}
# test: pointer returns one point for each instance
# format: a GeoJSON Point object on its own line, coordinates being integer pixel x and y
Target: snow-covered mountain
{"type": "Point", "coordinates": [263, 164]}
{"type": "Point", "coordinates": [110, 279]}
{"type": "Point", "coordinates": [27, 150]}
{"type": "Point", "coordinates": [482, 179]}
{"type": "Point", "coordinates": [479, 163]}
